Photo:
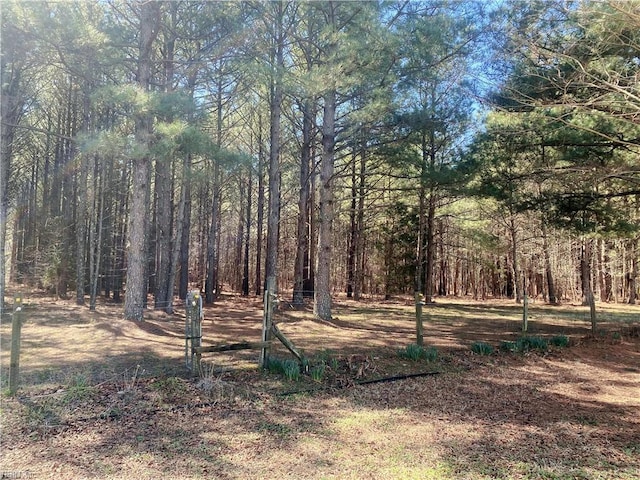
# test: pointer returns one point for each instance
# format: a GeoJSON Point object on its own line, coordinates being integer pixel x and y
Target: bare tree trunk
{"type": "Point", "coordinates": [302, 250]}
{"type": "Point", "coordinates": [185, 228]}
{"type": "Point", "coordinates": [247, 236]}
{"type": "Point", "coordinates": [239, 240]}
{"type": "Point", "coordinates": [212, 242]}
{"type": "Point", "coordinates": [633, 274]}
{"type": "Point", "coordinates": [430, 247]}
{"type": "Point", "coordinates": [515, 265]}
{"type": "Point", "coordinates": [551, 288]}
{"type": "Point", "coordinates": [322, 303]}
{"type": "Point", "coordinates": [10, 106]}
{"type": "Point", "coordinates": [136, 292]}
{"type": "Point", "coordinates": [585, 276]}
{"type": "Point", "coordinates": [260, 212]}
{"type": "Point", "coordinates": [95, 234]}
{"type": "Point", "coordinates": [81, 217]}
{"type": "Point", "coordinates": [164, 183]}
{"type": "Point", "coordinates": [351, 244]}
{"type": "Point", "coordinates": [273, 218]}
{"type": "Point", "coordinates": [178, 234]}
{"type": "Point", "coordinates": [360, 237]}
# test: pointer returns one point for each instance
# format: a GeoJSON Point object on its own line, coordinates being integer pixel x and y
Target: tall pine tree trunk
{"type": "Point", "coordinates": [95, 234]}
{"type": "Point", "coordinates": [247, 236]}
{"type": "Point", "coordinates": [273, 218]}
{"type": "Point", "coordinates": [136, 287]}
{"type": "Point", "coordinates": [302, 250]}
{"type": "Point", "coordinates": [322, 300]}
{"type": "Point", "coordinates": [185, 228]}
{"type": "Point", "coordinates": [260, 208]}
{"type": "Point", "coordinates": [176, 242]}
{"type": "Point", "coordinates": [358, 286]}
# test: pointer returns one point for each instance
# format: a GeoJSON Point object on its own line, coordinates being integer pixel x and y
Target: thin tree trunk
{"type": "Point", "coordinates": [247, 236]}
{"type": "Point", "coordinates": [585, 276]}
{"type": "Point", "coordinates": [239, 240]}
{"type": "Point", "coordinates": [81, 217]}
{"type": "Point", "coordinates": [322, 303]}
{"type": "Point", "coordinates": [96, 237]}
{"type": "Point", "coordinates": [212, 242]}
{"type": "Point", "coordinates": [10, 114]}
{"type": "Point", "coordinates": [360, 237]}
{"type": "Point", "coordinates": [633, 274]}
{"type": "Point", "coordinates": [430, 247]}
{"type": "Point", "coordinates": [551, 288]}
{"type": "Point", "coordinates": [260, 212]}
{"type": "Point", "coordinates": [302, 250]}
{"type": "Point", "coordinates": [351, 244]}
{"type": "Point", "coordinates": [178, 234]}
{"type": "Point", "coordinates": [273, 219]}
{"type": "Point", "coordinates": [185, 228]}
{"type": "Point", "coordinates": [515, 266]}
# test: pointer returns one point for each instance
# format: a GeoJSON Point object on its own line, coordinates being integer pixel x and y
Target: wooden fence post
{"type": "Point", "coordinates": [193, 331]}
{"type": "Point", "coordinates": [16, 327]}
{"type": "Point", "coordinates": [267, 321]}
{"type": "Point", "coordinates": [419, 327]}
{"type": "Point", "coordinates": [525, 313]}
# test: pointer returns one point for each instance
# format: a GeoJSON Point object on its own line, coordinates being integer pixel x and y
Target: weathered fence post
{"type": "Point", "coordinates": [525, 313]}
{"type": "Point", "coordinates": [267, 321]}
{"type": "Point", "coordinates": [193, 331]}
{"type": "Point", "coordinates": [16, 327]}
{"type": "Point", "coordinates": [419, 327]}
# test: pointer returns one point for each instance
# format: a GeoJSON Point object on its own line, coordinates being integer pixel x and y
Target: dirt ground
{"type": "Point", "coordinates": [102, 397]}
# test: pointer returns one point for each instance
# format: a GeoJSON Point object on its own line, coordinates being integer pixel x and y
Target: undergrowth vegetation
{"type": "Point", "coordinates": [417, 352]}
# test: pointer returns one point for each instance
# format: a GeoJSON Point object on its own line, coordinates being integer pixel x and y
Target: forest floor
{"type": "Point", "coordinates": [102, 397]}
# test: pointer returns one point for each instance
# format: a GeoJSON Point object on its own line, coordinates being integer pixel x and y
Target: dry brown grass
{"type": "Point", "coordinates": [107, 398]}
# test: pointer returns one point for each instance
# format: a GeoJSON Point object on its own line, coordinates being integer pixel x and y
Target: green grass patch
{"type": "Point", "coordinates": [559, 341]}
{"type": "Point", "coordinates": [416, 352]}
{"type": "Point", "coordinates": [288, 368]}
{"type": "Point", "coordinates": [482, 348]}
{"type": "Point", "coordinates": [525, 344]}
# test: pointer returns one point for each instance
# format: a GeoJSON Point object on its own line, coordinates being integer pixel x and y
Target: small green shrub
{"type": "Point", "coordinates": [482, 348]}
{"type": "Point", "coordinates": [524, 344]}
{"type": "Point", "coordinates": [411, 352]}
{"type": "Point", "coordinates": [416, 352]}
{"type": "Point", "coordinates": [317, 372]}
{"type": "Point", "coordinates": [559, 341]}
{"type": "Point", "coordinates": [275, 365]}
{"type": "Point", "coordinates": [508, 346]}
{"type": "Point", "coordinates": [430, 354]}
{"type": "Point", "coordinates": [289, 368]}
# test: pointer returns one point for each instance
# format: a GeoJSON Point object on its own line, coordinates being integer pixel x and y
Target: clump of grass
{"type": "Point", "coordinates": [482, 348]}
{"type": "Point", "coordinates": [416, 352]}
{"type": "Point", "coordinates": [525, 344]}
{"type": "Point", "coordinates": [290, 369]}
{"type": "Point", "coordinates": [78, 389]}
{"type": "Point", "coordinates": [317, 372]}
{"type": "Point", "coordinates": [508, 346]}
{"type": "Point", "coordinates": [559, 341]}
